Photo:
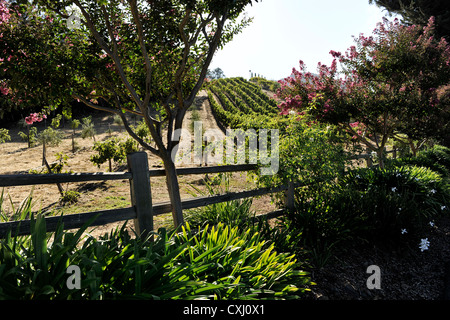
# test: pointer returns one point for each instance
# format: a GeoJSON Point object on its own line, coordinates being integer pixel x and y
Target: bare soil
{"type": "Point", "coordinates": [406, 272]}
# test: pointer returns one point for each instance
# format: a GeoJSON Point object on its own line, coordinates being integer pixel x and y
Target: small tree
{"type": "Point", "coordinates": [113, 149]}
{"type": "Point", "coordinates": [49, 137]}
{"type": "Point", "coordinates": [88, 128]}
{"type": "Point", "coordinates": [74, 124]}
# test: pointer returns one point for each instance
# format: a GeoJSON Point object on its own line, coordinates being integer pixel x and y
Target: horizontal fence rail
{"type": "Point", "coordinates": [142, 210]}
{"type": "Point", "coordinates": [13, 180]}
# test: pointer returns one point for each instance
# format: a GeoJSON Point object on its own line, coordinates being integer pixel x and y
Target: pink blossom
{"type": "Point", "coordinates": [4, 12]}
{"type": "Point", "coordinates": [29, 120]}
{"type": "Point", "coordinates": [335, 54]}
{"type": "Point", "coordinates": [4, 89]}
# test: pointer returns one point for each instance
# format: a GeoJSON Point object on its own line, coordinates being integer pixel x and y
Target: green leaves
{"type": "Point", "coordinates": [113, 149]}
{"type": "Point", "coordinates": [215, 263]}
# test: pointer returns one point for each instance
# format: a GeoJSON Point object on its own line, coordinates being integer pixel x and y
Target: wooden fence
{"type": "Point", "coordinates": [142, 210]}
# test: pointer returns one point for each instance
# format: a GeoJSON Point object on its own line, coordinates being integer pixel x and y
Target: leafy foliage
{"type": "Point", "coordinates": [235, 213]}
{"type": "Point", "coordinates": [437, 158]}
{"type": "Point", "coordinates": [217, 263]}
{"type": "Point", "coordinates": [393, 83]}
{"type": "Point", "coordinates": [4, 135]}
{"type": "Point", "coordinates": [113, 149]}
{"type": "Point", "coordinates": [369, 204]}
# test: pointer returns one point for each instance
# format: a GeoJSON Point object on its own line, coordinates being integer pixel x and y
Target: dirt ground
{"type": "Point", "coordinates": [17, 158]}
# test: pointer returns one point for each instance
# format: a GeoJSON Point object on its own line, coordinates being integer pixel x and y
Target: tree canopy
{"type": "Point", "coordinates": [147, 58]}
{"type": "Point", "coordinates": [392, 87]}
{"type": "Point", "coordinates": [419, 12]}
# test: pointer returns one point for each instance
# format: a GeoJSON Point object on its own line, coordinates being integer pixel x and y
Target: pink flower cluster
{"type": "Point", "coordinates": [35, 117]}
{"type": "Point", "coordinates": [4, 89]}
{"type": "Point", "coordinates": [4, 12]}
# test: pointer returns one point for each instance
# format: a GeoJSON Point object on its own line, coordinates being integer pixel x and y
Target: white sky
{"type": "Point", "coordinates": [286, 31]}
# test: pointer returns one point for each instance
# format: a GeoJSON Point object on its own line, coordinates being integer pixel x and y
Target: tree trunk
{"type": "Point", "coordinates": [174, 191]}
{"type": "Point", "coordinates": [380, 155]}
{"type": "Point", "coordinates": [60, 188]}
{"type": "Point", "coordinates": [43, 153]}
{"type": "Point", "coordinates": [73, 142]}
{"type": "Point", "coordinates": [412, 146]}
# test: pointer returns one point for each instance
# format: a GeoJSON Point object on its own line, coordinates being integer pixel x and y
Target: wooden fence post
{"type": "Point", "coordinates": [141, 196]}
{"type": "Point", "coordinates": [290, 197]}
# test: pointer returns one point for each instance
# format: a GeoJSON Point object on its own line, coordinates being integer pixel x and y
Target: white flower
{"type": "Point", "coordinates": [443, 207]}
{"type": "Point", "coordinates": [424, 244]}
{"type": "Point", "coordinates": [431, 223]}
{"type": "Point", "coordinates": [398, 174]}
{"type": "Point", "coordinates": [292, 112]}
{"type": "Point", "coordinates": [433, 191]}
{"type": "Point", "coordinates": [393, 189]}
{"type": "Point", "coordinates": [404, 231]}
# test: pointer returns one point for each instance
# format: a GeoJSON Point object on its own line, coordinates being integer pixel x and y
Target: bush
{"type": "Point", "coordinates": [368, 204]}
{"type": "Point", "coordinates": [69, 197]}
{"type": "Point", "coordinates": [308, 153]}
{"type": "Point", "coordinates": [392, 199]}
{"type": "Point", "coordinates": [217, 263]}
{"type": "Point", "coordinates": [233, 213]}
{"type": "Point", "coordinates": [113, 149]}
{"type": "Point", "coordinates": [436, 158]}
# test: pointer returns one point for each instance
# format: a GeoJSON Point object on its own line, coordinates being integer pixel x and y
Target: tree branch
{"type": "Point", "coordinates": [114, 56]}
{"type": "Point", "coordinates": [148, 66]}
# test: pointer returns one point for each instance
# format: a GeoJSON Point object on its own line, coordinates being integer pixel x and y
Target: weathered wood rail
{"type": "Point", "coordinates": [142, 210]}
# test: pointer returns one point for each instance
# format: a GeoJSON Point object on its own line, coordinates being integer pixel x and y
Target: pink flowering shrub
{"type": "Point", "coordinates": [390, 84]}
{"type": "Point", "coordinates": [35, 117]}
{"type": "Point", "coordinates": [4, 12]}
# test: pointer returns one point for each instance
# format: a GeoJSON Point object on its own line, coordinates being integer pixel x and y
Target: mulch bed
{"type": "Point", "coordinates": [407, 273]}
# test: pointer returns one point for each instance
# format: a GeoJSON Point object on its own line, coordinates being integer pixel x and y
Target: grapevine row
{"type": "Point", "coordinates": [240, 120]}
{"type": "Point", "coordinates": [235, 98]}
{"type": "Point", "coordinates": [254, 105]}
{"type": "Point", "coordinates": [256, 95]}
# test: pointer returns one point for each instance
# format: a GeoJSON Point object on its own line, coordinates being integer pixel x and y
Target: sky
{"type": "Point", "coordinates": [286, 31]}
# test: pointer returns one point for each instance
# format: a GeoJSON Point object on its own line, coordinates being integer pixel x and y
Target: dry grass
{"type": "Point", "coordinates": [16, 158]}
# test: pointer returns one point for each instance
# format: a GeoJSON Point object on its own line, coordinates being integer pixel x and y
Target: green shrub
{"type": "Point", "coordinates": [232, 213]}
{"type": "Point", "coordinates": [113, 149]}
{"type": "Point", "coordinates": [391, 199]}
{"type": "Point", "coordinates": [69, 197]}
{"type": "Point", "coordinates": [217, 263]}
{"type": "Point", "coordinates": [436, 158]}
{"type": "Point", "coordinates": [4, 135]}
{"type": "Point", "coordinates": [368, 204]}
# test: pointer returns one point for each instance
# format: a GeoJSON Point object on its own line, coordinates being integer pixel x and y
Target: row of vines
{"type": "Point", "coordinates": [238, 103]}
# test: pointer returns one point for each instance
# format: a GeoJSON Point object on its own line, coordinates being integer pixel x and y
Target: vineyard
{"type": "Point", "coordinates": [238, 103]}
{"type": "Point", "coordinates": [330, 184]}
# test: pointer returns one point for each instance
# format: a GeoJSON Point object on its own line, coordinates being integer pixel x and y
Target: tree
{"type": "Point", "coordinates": [217, 73]}
{"type": "Point", "coordinates": [88, 128]}
{"type": "Point", "coordinates": [147, 58]}
{"type": "Point", "coordinates": [419, 12]}
{"type": "Point", "coordinates": [113, 149]}
{"type": "Point", "coordinates": [392, 86]}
